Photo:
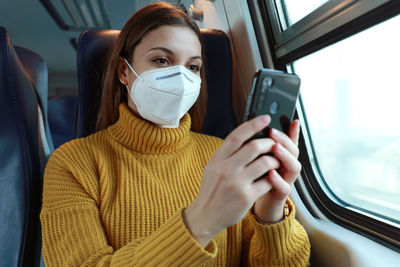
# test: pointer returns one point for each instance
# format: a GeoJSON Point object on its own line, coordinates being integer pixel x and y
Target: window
{"type": "Point", "coordinates": [351, 100]}
{"type": "Point", "coordinates": [346, 53]}
{"type": "Point", "coordinates": [291, 11]}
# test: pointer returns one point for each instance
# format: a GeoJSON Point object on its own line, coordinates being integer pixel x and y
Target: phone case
{"type": "Point", "coordinates": [274, 93]}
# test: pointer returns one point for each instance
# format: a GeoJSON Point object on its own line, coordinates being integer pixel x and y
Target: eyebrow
{"type": "Point", "coordinates": [169, 51]}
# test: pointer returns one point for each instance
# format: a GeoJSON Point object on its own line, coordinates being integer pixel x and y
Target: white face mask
{"type": "Point", "coordinates": [164, 95]}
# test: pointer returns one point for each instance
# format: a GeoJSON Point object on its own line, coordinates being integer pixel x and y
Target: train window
{"type": "Point", "coordinates": [350, 98]}
{"type": "Point", "coordinates": [291, 11]}
{"type": "Point", "coordinates": [346, 53]}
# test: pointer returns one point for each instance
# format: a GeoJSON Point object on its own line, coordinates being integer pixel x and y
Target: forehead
{"type": "Point", "coordinates": [179, 39]}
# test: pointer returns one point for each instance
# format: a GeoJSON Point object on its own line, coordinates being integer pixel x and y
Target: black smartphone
{"type": "Point", "coordinates": [274, 93]}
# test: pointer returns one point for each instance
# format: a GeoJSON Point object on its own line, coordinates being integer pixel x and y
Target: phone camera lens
{"type": "Point", "coordinates": [267, 82]}
{"type": "Point", "coordinates": [274, 108]}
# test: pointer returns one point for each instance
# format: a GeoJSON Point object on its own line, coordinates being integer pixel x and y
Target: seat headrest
{"type": "Point", "coordinates": [36, 67]}
{"type": "Point", "coordinates": [220, 119]}
{"type": "Point", "coordinates": [93, 49]}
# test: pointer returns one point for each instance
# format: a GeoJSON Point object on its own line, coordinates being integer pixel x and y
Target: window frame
{"type": "Point", "coordinates": [331, 22]}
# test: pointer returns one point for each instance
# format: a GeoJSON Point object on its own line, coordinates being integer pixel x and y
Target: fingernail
{"type": "Point", "coordinates": [274, 175]}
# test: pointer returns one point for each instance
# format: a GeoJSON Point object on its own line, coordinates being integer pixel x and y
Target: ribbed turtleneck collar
{"type": "Point", "coordinates": [146, 137]}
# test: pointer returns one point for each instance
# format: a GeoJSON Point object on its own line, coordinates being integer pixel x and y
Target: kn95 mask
{"type": "Point", "coordinates": [164, 95]}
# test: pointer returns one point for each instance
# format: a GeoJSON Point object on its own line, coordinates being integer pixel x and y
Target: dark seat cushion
{"type": "Point", "coordinates": [20, 179]}
{"type": "Point", "coordinates": [62, 116]}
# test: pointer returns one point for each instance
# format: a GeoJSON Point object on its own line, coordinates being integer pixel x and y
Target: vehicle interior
{"type": "Point", "coordinates": [346, 53]}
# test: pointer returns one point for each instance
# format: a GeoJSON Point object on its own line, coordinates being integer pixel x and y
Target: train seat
{"type": "Point", "coordinates": [21, 147]}
{"type": "Point", "coordinates": [57, 115]}
{"type": "Point", "coordinates": [62, 118]}
{"type": "Point", "coordinates": [36, 69]}
{"type": "Point", "coordinates": [93, 47]}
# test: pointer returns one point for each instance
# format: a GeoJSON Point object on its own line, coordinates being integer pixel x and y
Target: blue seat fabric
{"type": "Point", "coordinates": [220, 118]}
{"type": "Point", "coordinates": [20, 177]}
{"type": "Point", "coordinates": [62, 119]}
{"type": "Point", "coordinates": [36, 69]}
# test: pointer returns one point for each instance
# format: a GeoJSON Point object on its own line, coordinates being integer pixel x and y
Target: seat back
{"type": "Point", "coordinates": [93, 48]}
{"type": "Point", "coordinates": [62, 118]}
{"type": "Point", "coordinates": [36, 69]}
{"type": "Point", "coordinates": [35, 66]}
{"type": "Point", "coordinates": [220, 119]}
{"type": "Point", "coordinates": [20, 168]}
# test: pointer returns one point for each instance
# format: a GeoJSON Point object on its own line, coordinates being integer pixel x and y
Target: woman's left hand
{"type": "Point", "coordinates": [269, 207]}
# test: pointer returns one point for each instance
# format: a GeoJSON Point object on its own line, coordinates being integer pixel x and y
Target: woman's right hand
{"type": "Point", "coordinates": [228, 189]}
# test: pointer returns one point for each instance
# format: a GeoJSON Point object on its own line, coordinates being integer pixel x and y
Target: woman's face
{"type": "Point", "coordinates": [163, 47]}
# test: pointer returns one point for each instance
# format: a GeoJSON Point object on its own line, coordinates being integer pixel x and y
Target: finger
{"type": "Point", "coordinates": [241, 134]}
{"type": "Point", "coordinates": [294, 132]}
{"type": "Point", "coordinates": [260, 188]}
{"type": "Point", "coordinates": [280, 186]}
{"type": "Point", "coordinates": [260, 167]}
{"type": "Point", "coordinates": [250, 151]}
{"type": "Point", "coordinates": [289, 163]}
{"type": "Point", "coordinates": [285, 141]}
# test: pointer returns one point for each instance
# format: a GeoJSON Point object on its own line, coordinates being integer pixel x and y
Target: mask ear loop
{"type": "Point", "coordinates": [129, 65]}
{"type": "Point", "coordinates": [134, 72]}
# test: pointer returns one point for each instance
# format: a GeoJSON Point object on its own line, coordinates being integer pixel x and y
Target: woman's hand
{"type": "Point", "coordinates": [229, 184]}
{"type": "Point", "coordinates": [269, 207]}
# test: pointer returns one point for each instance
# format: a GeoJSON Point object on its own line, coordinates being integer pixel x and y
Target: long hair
{"type": "Point", "coordinates": [139, 24]}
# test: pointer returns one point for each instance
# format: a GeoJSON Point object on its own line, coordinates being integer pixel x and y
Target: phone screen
{"type": "Point", "coordinates": [274, 93]}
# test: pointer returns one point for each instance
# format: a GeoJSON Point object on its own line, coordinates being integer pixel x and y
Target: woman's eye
{"type": "Point", "coordinates": [162, 61]}
{"type": "Point", "coordinates": [194, 68]}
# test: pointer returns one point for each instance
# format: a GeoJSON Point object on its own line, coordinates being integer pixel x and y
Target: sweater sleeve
{"type": "Point", "coordinates": [282, 244]}
{"type": "Point", "coordinates": [73, 233]}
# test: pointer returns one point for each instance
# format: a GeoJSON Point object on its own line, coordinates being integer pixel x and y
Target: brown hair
{"type": "Point", "coordinates": [139, 24]}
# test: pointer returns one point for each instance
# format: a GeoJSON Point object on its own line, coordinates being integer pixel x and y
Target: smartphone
{"type": "Point", "coordinates": [274, 93]}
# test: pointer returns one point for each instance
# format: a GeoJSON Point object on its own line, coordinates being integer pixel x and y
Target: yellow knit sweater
{"type": "Point", "coordinates": [115, 198]}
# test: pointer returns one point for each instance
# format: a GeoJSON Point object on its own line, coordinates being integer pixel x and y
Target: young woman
{"type": "Point", "coordinates": [148, 190]}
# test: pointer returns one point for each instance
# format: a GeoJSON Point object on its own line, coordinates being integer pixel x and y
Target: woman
{"type": "Point", "coordinates": [146, 190]}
